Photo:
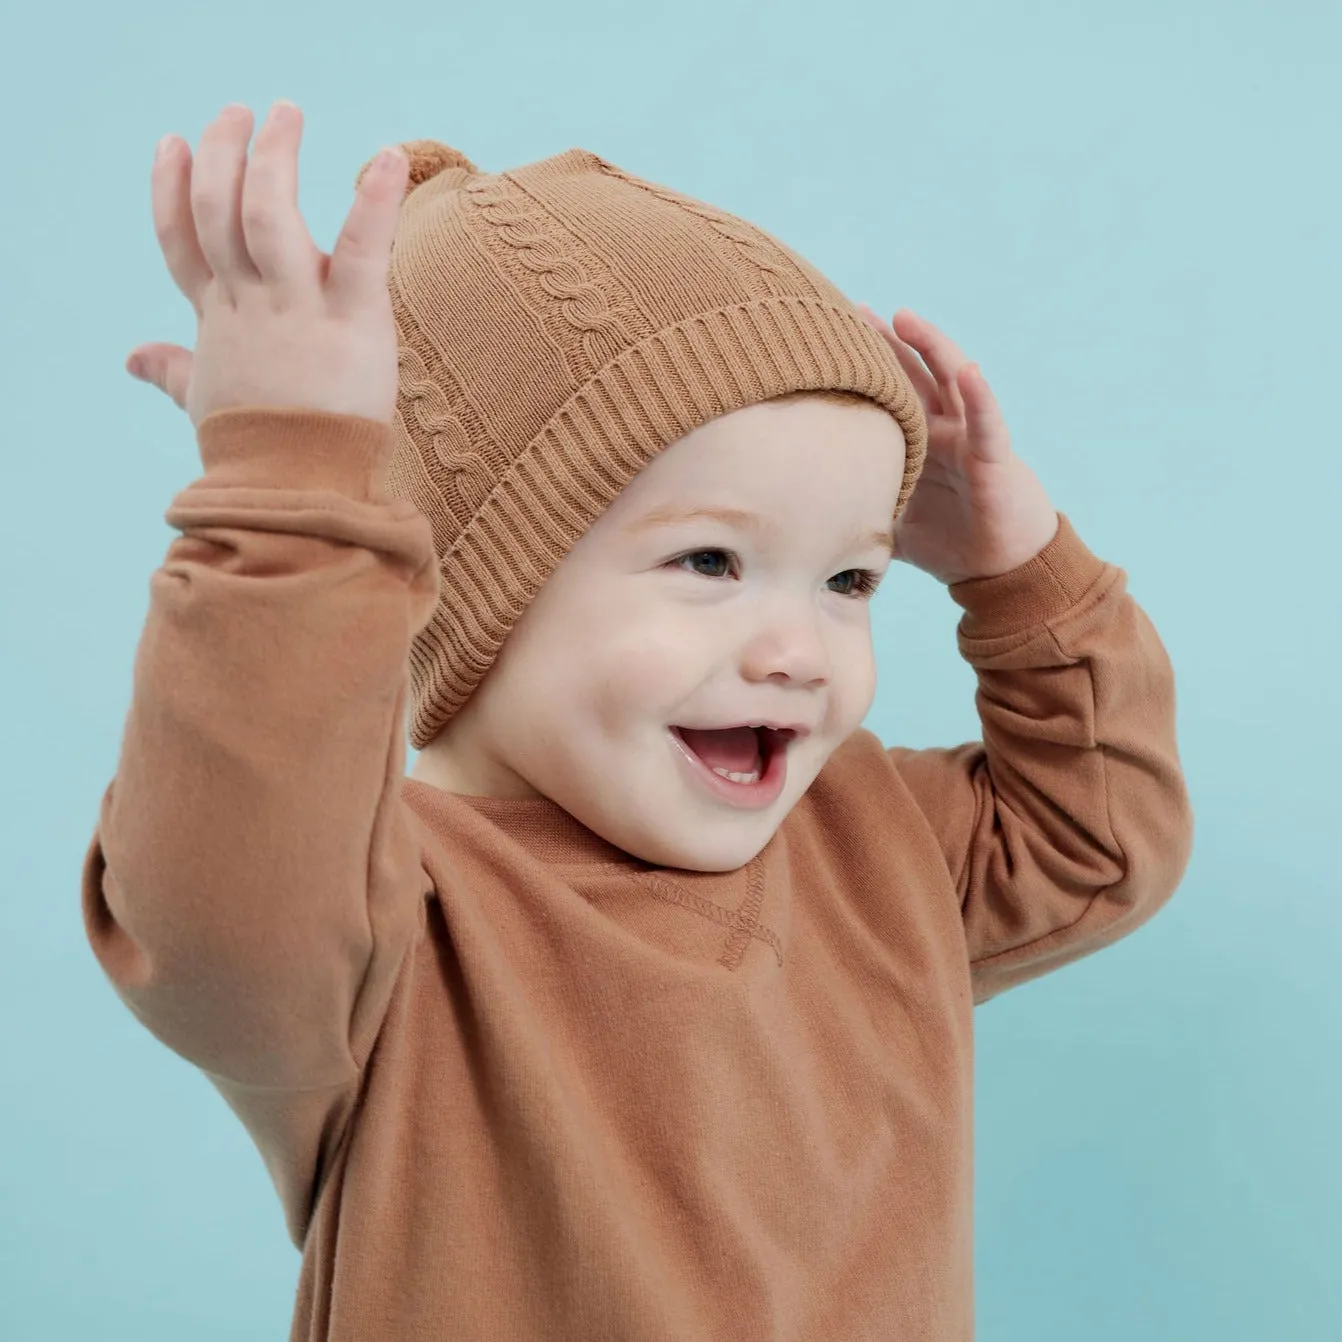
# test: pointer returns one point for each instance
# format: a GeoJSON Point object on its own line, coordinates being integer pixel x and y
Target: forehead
{"type": "Point", "coordinates": [804, 440]}
{"type": "Point", "coordinates": [801, 465]}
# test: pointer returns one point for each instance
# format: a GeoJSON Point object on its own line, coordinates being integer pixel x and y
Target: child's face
{"type": "Point", "coordinates": [623, 642]}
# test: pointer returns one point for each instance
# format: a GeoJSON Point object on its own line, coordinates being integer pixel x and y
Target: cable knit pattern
{"type": "Point", "coordinates": [522, 224]}
{"type": "Point", "coordinates": [751, 244]}
{"type": "Point", "coordinates": [423, 403]}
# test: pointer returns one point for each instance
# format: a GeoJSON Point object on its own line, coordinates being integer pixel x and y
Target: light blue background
{"type": "Point", "coordinates": [1128, 213]}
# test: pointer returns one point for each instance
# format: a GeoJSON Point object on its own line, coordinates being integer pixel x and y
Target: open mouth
{"type": "Point", "coordinates": [745, 765]}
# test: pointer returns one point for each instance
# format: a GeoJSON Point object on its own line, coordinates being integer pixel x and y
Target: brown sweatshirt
{"type": "Point", "coordinates": [513, 1083]}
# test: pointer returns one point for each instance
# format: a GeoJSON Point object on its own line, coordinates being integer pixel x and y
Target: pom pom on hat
{"type": "Point", "coordinates": [427, 159]}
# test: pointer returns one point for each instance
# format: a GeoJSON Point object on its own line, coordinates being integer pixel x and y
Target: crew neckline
{"type": "Point", "coordinates": [540, 825]}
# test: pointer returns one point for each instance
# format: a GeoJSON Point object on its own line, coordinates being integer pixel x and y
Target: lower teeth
{"type": "Point", "coordinates": [738, 778]}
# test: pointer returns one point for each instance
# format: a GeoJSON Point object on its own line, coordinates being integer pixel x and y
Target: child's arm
{"type": "Point", "coordinates": [1069, 824]}
{"type": "Point", "coordinates": [254, 880]}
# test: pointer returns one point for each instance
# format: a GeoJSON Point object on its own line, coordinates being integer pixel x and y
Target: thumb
{"type": "Point", "coordinates": [167, 367]}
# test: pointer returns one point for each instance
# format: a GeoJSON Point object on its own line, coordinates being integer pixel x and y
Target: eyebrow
{"type": "Point", "coordinates": [744, 521]}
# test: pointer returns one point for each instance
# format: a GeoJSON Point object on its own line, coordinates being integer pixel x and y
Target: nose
{"type": "Point", "coordinates": [786, 643]}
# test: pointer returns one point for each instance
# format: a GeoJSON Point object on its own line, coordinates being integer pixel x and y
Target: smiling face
{"type": "Point", "coordinates": [754, 611]}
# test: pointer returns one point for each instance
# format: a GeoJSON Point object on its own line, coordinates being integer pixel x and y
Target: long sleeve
{"type": "Point", "coordinates": [1069, 824]}
{"type": "Point", "coordinates": [254, 878]}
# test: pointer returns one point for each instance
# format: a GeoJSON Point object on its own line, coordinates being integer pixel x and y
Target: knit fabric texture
{"type": "Point", "coordinates": [558, 326]}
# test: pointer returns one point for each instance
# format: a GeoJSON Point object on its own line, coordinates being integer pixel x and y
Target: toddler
{"type": "Point", "coordinates": [641, 1009]}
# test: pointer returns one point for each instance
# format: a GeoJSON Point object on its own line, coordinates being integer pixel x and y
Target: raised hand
{"type": "Point", "coordinates": [280, 323]}
{"type": "Point", "coordinates": [978, 510]}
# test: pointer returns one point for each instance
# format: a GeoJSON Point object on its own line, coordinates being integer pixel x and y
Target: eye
{"type": "Point", "coordinates": [860, 583]}
{"type": "Point", "coordinates": [864, 582]}
{"type": "Point", "coordinates": [726, 555]}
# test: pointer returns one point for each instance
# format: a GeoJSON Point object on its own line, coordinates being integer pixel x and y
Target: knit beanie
{"type": "Point", "coordinates": [558, 326]}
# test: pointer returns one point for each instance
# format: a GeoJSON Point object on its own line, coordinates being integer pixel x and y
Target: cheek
{"type": "Point", "coordinates": [643, 667]}
{"type": "Point", "coordinates": [860, 678]}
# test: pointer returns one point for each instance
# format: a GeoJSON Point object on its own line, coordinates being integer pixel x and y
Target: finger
{"type": "Point", "coordinates": [277, 240]}
{"type": "Point", "coordinates": [216, 197]}
{"type": "Point", "coordinates": [362, 252]}
{"type": "Point", "coordinates": [923, 383]}
{"type": "Point", "coordinates": [989, 437]}
{"type": "Point", "coordinates": [909, 361]}
{"type": "Point", "coordinates": [167, 367]}
{"type": "Point", "coordinates": [939, 352]}
{"type": "Point", "coordinates": [174, 224]}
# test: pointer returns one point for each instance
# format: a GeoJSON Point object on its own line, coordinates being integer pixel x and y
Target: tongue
{"type": "Point", "coordinates": [736, 749]}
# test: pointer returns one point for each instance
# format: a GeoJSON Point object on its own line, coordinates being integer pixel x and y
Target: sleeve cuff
{"type": "Point", "coordinates": [1039, 590]}
{"type": "Point", "coordinates": [295, 448]}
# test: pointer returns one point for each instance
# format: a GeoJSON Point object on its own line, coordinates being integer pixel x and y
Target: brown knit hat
{"type": "Point", "coordinates": [559, 325]}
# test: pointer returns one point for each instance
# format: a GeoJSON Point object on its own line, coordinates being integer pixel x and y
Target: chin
{"type": "Point", "coordinates": [726, 844]}
{"type": "Point", "coordinates": [731, 853]}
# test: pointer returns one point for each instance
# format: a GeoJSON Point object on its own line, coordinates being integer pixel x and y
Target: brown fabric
{"type": "Point", "coordinates": [511, 1083]}
{"type": "Point", "coordinates": [559, 325]}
